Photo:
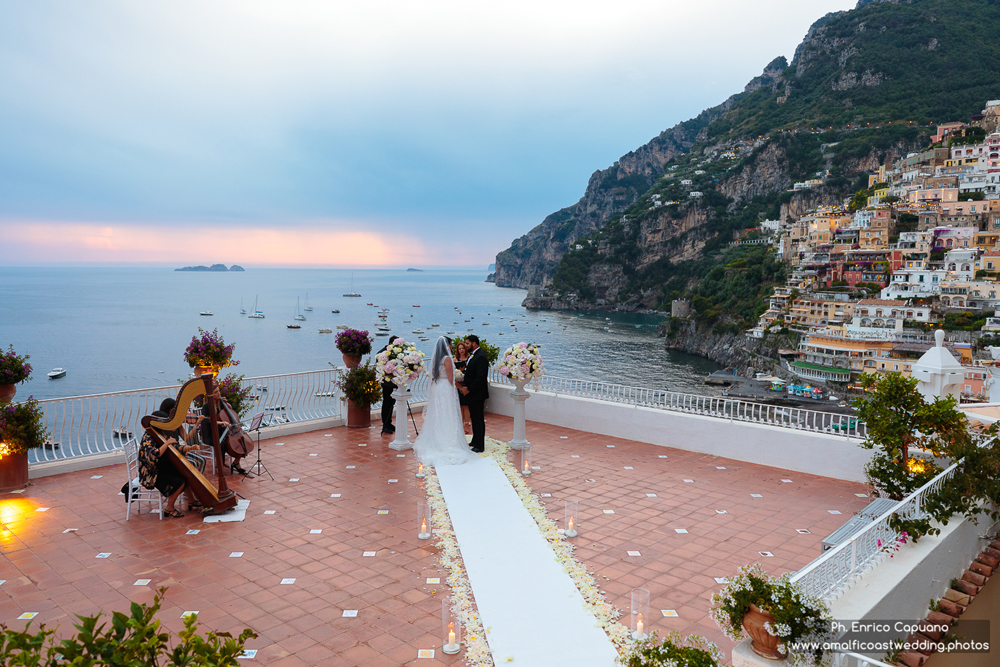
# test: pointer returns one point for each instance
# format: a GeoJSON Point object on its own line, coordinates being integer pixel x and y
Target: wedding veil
{"type": "Point", "coordinates": [442, 349]}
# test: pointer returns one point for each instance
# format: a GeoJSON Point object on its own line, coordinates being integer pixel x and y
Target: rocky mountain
{"type": "Point", "coordinates": [214, 267]}
{"type": "Point", "coordinates": [863, 87]}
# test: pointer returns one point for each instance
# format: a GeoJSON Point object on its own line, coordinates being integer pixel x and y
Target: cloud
{"type": "Point", "coordinates": [313, 246]}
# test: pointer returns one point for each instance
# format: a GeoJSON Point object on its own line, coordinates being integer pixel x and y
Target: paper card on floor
{"type": "Point", "coordinates": [42, 509]}
{"type": "Point", "coordinates": [268, 511]}
{"type": "Point", "coordinates": [248, 654]}
{"type": "Point", "coordinates": [27, 616]}
{"type": "Point", "coordinates": [104, 555]}
{"type": "Point", "coordinates": [756, 495]}
{"type": "Point", "coordinates": [833, 511]}
{"type": "Point", "coordinates": [193, 532]}
{"type": "Point", "coordinates": [315, 531]}
{"type": "Point", "coordinates": [233, 514]}
{"type": "Point", "coordinates": [629, 468]}
{"type": "Point", "coordinates": [70, 530]}
{"type": "Point", "coordinates": [383, 511]}
{"type": "Point", "coordinates": [425, 653]}
{"type": "Point", "coordinates": [680, 530]}
{"type": "Point", "coordinates": [721, 580]}
{"type": "Point", "coordinates": [662, 456]}
{"type": "Point", "coordinates": [295, 479]}
{"type": "Point", "coordinates": [368, 553]}
{"type": "Point", "coordinates": [634, 553]}
{"type": "Point", "coordinates": [314, 455]}
{"type": "Point", "coordinates": [189, 613]}
{"type": "Point", "coordinates": [349, 613]}
{"type": "Point", "coordinates": [236, 554]}
{"type": "Point", "coordinates": [142, 582]}
{"type": "Point", "coordinates": [288, 580]}
{"type": "Point", "coordinates": [650, 495]}
{"type": "Point", "coordinates": [669, 613]}
{"type": "Point", "coordinates": [96, 476]}
{"type": "Point", "coordinates": [609, 511]}
{"type": "Point", "coordinates": [434, 580]}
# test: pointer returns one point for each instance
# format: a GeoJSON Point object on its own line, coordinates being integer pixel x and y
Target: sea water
{"type": "Point", "coordinates": [116, 329]}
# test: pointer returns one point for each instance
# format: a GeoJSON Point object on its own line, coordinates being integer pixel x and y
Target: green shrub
{"type": "Point", "coordinates": [133, 640]}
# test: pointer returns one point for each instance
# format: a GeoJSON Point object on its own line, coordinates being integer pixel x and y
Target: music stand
{"type": "Point", "coordinates": [255, 426]}
{"type": "Point", "coordinates": [414, 421]}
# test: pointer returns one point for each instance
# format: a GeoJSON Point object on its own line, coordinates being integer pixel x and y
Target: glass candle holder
{"type": "Point", "coordinates": [525, 461]}
{"type": "Point", "coordinates": [640, 613]}
{"type": "Point", "coordinates": [451, 628]}
{"type": "Point", "coordinates": [572, 518]}
{"type": "Point", "coordinates": [420, 470]}
{"type": "Point", "coordinates": [423, 521]}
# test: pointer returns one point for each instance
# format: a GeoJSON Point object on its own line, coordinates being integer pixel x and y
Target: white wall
{"type": "Point", "coordinates": [821, 454]}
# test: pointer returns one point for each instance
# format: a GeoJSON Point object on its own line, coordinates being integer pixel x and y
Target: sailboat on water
{"type": "Point", "coordinates": [243, 311]}
{"type": "Point", "coordinates": [352, 292]}
{"type": "Point", "coordinates": [256, 314]}
{"type": "Point", "coordinates": [308, 308]}
{"type": "Point", "coordinates": [298, 316]}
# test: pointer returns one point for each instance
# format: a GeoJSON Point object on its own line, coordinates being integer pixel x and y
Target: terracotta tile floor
{"type": "Point", "coordinates": [57, 574]}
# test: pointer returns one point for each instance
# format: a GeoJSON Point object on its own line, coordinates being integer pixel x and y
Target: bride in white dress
{"type": "Point", "coordinates": [442, 439]}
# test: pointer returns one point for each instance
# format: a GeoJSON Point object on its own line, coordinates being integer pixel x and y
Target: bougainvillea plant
{"type": "Point", "coordinates": [354, 342]}
{"type": "Point", "coordinates": [14, 369]}
{"type": "Point", "coordinates": [208, 349]}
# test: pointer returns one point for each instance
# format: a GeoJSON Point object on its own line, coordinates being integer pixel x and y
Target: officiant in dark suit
{"type": "Point", "coordinates": [388, 402]}
{"type": "Point", "coordinates": [476, 391]}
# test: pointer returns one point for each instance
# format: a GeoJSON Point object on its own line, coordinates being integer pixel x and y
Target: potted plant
{"type": "Point", "coordinates": [361, 389]}
{"type": "Point", "coordinates": [675, 650]}
{"type": "Point", "coordinates": [774, 613]}
{"type": "Point", "coordinates": [240, 397]}
{"type": "Point", "coordinates": [520, 363]}
{"type": "Point", "coordinates": [22, 427]}
{"type": "Point", "coordinates": [208, 353]}
{"type": "Point", "coordinates": [14, 369]}
{"type": "Point", "coordinates": [353, 344]}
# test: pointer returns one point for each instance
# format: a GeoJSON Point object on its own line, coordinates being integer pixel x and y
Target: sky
{"type": "Point", "coordinates": [342, 134]}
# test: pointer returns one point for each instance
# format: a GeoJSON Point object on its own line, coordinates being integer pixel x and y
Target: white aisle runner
{"type": "Point", "coordinates": [531, 608]}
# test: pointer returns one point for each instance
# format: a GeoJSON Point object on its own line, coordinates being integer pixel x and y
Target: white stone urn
{"type": "Point", "coordinates": [402, 394]}
{"type": "Point", "coordinates": [520, 396]}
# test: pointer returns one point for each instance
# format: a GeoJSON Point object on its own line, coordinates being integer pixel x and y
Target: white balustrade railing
{"type": "Point", "coordinates": [710, 406]}
{"type": "Point", "coordinates": [83, 425]}
{"type": "Point", "coordinates": [849, 659]}
{"type": "Point", "coordinates": [833, 573]}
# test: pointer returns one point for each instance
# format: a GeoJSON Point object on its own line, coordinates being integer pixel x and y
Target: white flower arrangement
{"type": "Point", "coordinates": [521, 362]}
{"type": "Point", "coordinates": [399, 363]}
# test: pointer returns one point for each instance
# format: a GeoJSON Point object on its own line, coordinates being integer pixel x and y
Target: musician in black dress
{"type": "Point", "coordinates": [157, 471]}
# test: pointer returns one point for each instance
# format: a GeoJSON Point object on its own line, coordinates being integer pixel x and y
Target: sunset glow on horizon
{"type": "Point", "coordinates": [93, 243]}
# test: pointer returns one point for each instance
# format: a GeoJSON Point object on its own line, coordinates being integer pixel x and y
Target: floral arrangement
{"type": "Point", "coordinates": [399, 363]}
{"type": "Point", "coordinates": [354, 342]}
{"type": "Point", "coordinates": [208, 349]}
{"type": "Point", "coordinates": [240, 397]}
{"type": "Point", "coordinates": [360, 385]}
{"type": "Point", "coordinates": [522, 362]}
{"type": "Point", "coordinates": [492, 351]}
{"type": "Point", "coordinates": [797, 617]}
{"type": "Point", "coordinates": [675, 650]}
{"type": "Point", "coordinates": [14, 369]}
{"type": "Point", "coordinates": [22, 427]}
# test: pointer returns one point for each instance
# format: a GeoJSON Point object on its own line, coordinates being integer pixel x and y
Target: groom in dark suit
{"type": "Point", "coordinates": [388, 402]}
{"type": "Point", "coordinates": [476, 390]}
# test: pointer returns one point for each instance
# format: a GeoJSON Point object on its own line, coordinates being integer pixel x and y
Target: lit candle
{"type": "Point", "coordinates": [451, 635]}
{"type": "Point", "coordinates": [571, 524]}
{"type": "Point", "coordinates": [638, 628]}
{"type": "Point", "coordinates": [423, 526]}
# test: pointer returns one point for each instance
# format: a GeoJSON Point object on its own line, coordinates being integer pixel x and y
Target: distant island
{"type": "Point", "coordinates": [214, 267]}
{"type": "Point", "coordinates": [417, 270]}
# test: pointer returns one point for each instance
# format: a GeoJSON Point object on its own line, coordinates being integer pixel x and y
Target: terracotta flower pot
{"type": "Point", "coordinates": [762, 642]}
{"type": "Point", "coordinates": [358, 416]}
{"type": "Point", "coordinates": [13, 471]}
{"type": "Point", "coordinates": [7, 392]}
{"type": "Point", "coordinates": [202, 370]}
{"type": "Point", "coordinates": [351, 360]}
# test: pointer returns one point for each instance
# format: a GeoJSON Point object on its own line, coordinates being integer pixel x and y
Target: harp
{"type": "Point", "coordinates": [217, 498]}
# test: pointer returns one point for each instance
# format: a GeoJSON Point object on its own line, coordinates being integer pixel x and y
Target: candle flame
{"type": "Point", "coordinates": [423, 526]}
{"type": "Point", "coordinates": [451, 625]}
{"type": "Point", "coordinates": [571, 523]}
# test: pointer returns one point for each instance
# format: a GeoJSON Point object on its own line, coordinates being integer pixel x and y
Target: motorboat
{"type": "Point", "coordinates": [326, 330]}
{"type": "Point", "coordinates": [335, 311]}
{"type": "Point", "coordinates": [293, 325]}
{"type": "Point", "coordinates": [485, 324]}
{"type": "Point", "coordinates": [207, 313]}
{"type": "Point", "coordinates": [122, 432]}
{"type": "Point", "coordinates": [57, 373]}
{"type": "Point", "coordinates": [341, 326]}
{"type": "Point", "coordinates": [381, 333]}
{"type": "Point", "coordinates": [418, 331]}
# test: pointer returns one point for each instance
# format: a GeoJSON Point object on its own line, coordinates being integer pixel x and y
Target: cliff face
{"type": "Point", "coordinates": [747, 356]}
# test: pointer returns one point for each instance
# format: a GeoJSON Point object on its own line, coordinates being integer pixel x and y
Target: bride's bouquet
{"type": "Point", "coordinates": [522, 362]}
{"type": "Point", "coordinates": [399, 363]}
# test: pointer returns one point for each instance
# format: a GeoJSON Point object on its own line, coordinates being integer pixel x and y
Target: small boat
{"type": "Point", "coordinates": [57, 373]}
{"type": "Point", "coordinates": [415, 306]}
{"type": "Point", "coordinates": [407, 321]}
{"type": "Point", "coordinates": [298, 316]}
{"type": "Point", "coordinates": [335, 311]}
{"type": "Point", "coordinates": [435, 325]}
{"type": "Point", "coordinates": [369, 303]}
{"type": "Point", "coordinates": [122, 432]}
{"type": "Point", "coordinates": [308, 308]}
{"type": "Point", "coordinates": [243, 311]}
{"type": "Point", "coordinates": [294, 326]}
{"type": "Point", "coordinates": [381, 333]}
{"type": "Point", "coordinates": [485, 324]}
{"type": "Point", "coordinates": [206, 313]}
{"type": "Point", "coordinates": [418, 331]}
{"type": "Point", "coordinates": [352, 292]}
{"type": "Point", "coordinates": [326, 330]}
{"type": "Point", "coordinates": [424, 338]}
{"type": "Point", "coordinates": [384, 329]}
{"type": "Point", "coordinates": [341, 326]}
